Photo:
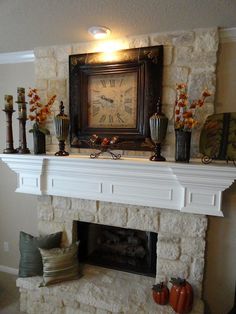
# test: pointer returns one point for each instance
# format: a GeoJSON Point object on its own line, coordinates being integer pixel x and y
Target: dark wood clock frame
{"type": "Point", "coordinates": [147, 63]}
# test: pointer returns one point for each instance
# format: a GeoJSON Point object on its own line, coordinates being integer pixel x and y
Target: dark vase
{"type": "Point", "coordinates": [182, 145]}
{"type": "Point", "coordinates": [39, 142]}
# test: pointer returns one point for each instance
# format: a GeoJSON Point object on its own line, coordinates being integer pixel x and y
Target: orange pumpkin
{"type": "Point", "coordinates": [181, 296]}
{"type": "Point", "coordinates": [160, 293]}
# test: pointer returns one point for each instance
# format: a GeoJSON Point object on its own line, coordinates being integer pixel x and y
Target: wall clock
{"type": "Point", "coordinates": [115, 97]}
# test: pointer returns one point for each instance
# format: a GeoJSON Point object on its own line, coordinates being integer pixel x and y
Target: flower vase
{"type": "Point", "coordinates": [182, 145]}
{"type": "Point", "coordinates": [39, 142]}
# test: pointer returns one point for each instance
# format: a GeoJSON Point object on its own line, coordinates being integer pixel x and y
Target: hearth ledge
{"type": "Point", "coordinates": [193, 188]}
{"type": "Point", "coordinates": [99, 289]}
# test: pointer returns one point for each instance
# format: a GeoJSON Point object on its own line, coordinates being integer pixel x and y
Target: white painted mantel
{"type": "Point", "coordinates": [193, 187]}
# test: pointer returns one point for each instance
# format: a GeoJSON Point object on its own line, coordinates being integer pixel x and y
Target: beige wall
{"type": "Point", "coordinates": [17, 211]}
{"type": "Point", "coordinates": [220, 269]}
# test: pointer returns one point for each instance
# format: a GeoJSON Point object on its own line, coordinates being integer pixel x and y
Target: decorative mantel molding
{"type": "Point", "coordinates": [193, 188]}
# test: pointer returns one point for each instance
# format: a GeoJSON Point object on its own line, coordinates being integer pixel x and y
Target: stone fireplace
{"type": "Point", "coordinates": [170, 200]}
{"type": "Point", "coordinates": [180, 252]}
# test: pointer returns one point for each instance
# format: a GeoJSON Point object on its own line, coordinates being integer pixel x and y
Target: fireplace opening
{"type": "Point", "coordinates": [118, 248]}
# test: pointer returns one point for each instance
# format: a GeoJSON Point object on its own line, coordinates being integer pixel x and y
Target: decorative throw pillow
{"type": "Point", "coordinates": [60, 264]}
{"type": "Point", "coordinates": [30, 257]}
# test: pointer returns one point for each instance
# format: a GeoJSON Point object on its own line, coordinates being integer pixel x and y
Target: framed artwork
{"type": "Point", "coordinates": [116, 97]}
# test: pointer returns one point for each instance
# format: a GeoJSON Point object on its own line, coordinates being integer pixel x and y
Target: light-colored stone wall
{"type": "Point", "coordinates": [189, 56]}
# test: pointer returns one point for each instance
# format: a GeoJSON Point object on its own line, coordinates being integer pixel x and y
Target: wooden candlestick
{"type": "Point", "coordinates": [9, 134]}
{"type": "Point", "coordinates": [22, 137]}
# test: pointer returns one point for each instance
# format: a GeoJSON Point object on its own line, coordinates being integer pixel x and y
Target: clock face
{"type": "Point", "coordinates": [112, 100]}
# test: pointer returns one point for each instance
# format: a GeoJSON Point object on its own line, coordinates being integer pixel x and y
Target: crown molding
{"type": "Point", "coordinates": [227, 35]}
{"type": "Point", "coordinates": [17, 57]}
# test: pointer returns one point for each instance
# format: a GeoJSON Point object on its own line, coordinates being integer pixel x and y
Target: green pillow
{"type": "Point", "coordinates": [30, 257]}
{"type": "Point", "coordinates": [60, 264]}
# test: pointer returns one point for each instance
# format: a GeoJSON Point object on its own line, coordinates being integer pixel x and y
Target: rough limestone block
{"type": "Point", "coordinates": [180, 224]}
{"type": "Point", "coordinates": [206, 40]}
{"type": "Point", "coordinates": [53, 300]}
{"type": "Point", "coordinates": [100, 311]}
{"type": "Point", "coordinates": [168, 238]}
{"type": "Point", "coordinates": [61, 202]}
{"type": "Point", "coordinates": [168, 55]}
{"type": "Point", "coordinates": [44, 199]}
{"type": "Point", "coordinates": [112, 214]}
{"type": "Point", "coordinates": [70, 302]}
{"type": "Point", "coordinates": [197, 269]}
{"type": "Point", "coordinates": [193, 246]}
{"type": "Point", "coordinates": [183, 38]}
{"type": "Point", "coordinates": [61, 215]}
{"type": "Point", "coordinates": [45, 68]}
{"type": "Point", "coordinates": [168, 98]}
{"type": "Point", "coordinates": [23, 301]}
{"type": "Point", "coordinates": [61, 53]}
{"type": "Point", "coordinates": [183, 56]}
{"type": "Point", "coordinates": [82, 204]}
{"type": "Point", "coordinates": [198, 81]}
{"type": "Point", "coordinates": [186, 259]}
{"type": "Point", "coordinates": [57, 87]}
{"type": "Point", "coordinates": [88, 47]}
{"type": "Point", "coordinates": [174, 74]}
{"type": "Point", "coordinates": [35, 296]}
{"type": "Point", "coordinates": [172, 268]}
{"type": "Point", "coordinates": [29, 283]}
{"type": "Point", "coordinates": [168, 250]}
{"type": "Point", "coordinates": [63, 70]}
{"type": "Point", "coordinates": [143, 218]}
{"type": "Point", "coordinates": [139, 41]}
{"type": "Point", "coordinates": [87, 309]}
{"type": "Point", "coordinates": [43, 52]}
{"type": "Point", "coordinates": [48, 227]}
{"type": "Point", "coordinates": [45, 212]}
{"type": "Point", "coordinates": [160, 39]}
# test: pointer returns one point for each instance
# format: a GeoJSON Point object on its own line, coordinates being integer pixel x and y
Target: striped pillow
{"type": "Point", "coordinates": [60, 264]}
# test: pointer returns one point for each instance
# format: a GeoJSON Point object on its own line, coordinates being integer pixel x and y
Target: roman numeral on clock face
{"type": "Point", "coordinates": [119, 118]}
{"type": "Point", "coordinates": [95, 110]}
{"type": "Point", "coordinates": [128, 109]}
{"type": "Point", "coordinates": [103, 82]}
{"type": "Point", "coordinates": [102, 119]}
{"type": "Point", "coordinates": [110, 118]}
{"type": "Point", "coordinates": [112, 83]}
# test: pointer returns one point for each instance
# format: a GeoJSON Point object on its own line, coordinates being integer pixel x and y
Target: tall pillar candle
{"type": "Point", "coordinates": [20, 94]}
{"type": "Point", "coordinates": [8, 102]}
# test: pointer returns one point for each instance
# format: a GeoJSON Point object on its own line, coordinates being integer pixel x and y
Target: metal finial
{"type": "Point", "coordinates": [62, 107]}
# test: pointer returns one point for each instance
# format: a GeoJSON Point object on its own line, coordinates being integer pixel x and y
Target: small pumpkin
{"type": "Point", "coordinates": [160, 293]}
{"type": "Point", "coordinates": [181, 296]}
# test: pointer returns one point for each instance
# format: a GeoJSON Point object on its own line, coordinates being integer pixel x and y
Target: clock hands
{"type": "Point", "coordinates": [107, 99]}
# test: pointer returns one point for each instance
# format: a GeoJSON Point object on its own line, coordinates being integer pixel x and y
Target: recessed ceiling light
{"type": "Point", "coordinates": [99, 32]}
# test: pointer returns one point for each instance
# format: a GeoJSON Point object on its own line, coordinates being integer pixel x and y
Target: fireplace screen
{"type": "Point", "coordinates": [118, 248]}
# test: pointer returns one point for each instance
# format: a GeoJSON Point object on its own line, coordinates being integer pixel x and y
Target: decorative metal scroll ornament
{"type": "Point", "coordinates": [61, 122]}
{"type": "Point", "coordinates": [104, 145]}
{"type": "Point", "coordinates": [158, 127]}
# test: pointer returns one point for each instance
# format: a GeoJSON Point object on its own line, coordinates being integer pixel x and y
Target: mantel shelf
{"type": "Point", "coordinates": [193, 187]}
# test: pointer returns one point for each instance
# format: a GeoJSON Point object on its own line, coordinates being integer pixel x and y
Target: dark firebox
{"type": "Point", "coordinates": [118, 248]}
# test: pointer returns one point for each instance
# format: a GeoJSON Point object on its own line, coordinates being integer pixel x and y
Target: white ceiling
{"type": "Point", "coordinates": [25, 24]}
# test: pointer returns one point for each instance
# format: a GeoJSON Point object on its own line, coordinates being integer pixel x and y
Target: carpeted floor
{"type": "Point", "coordinates": [9, 294]}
